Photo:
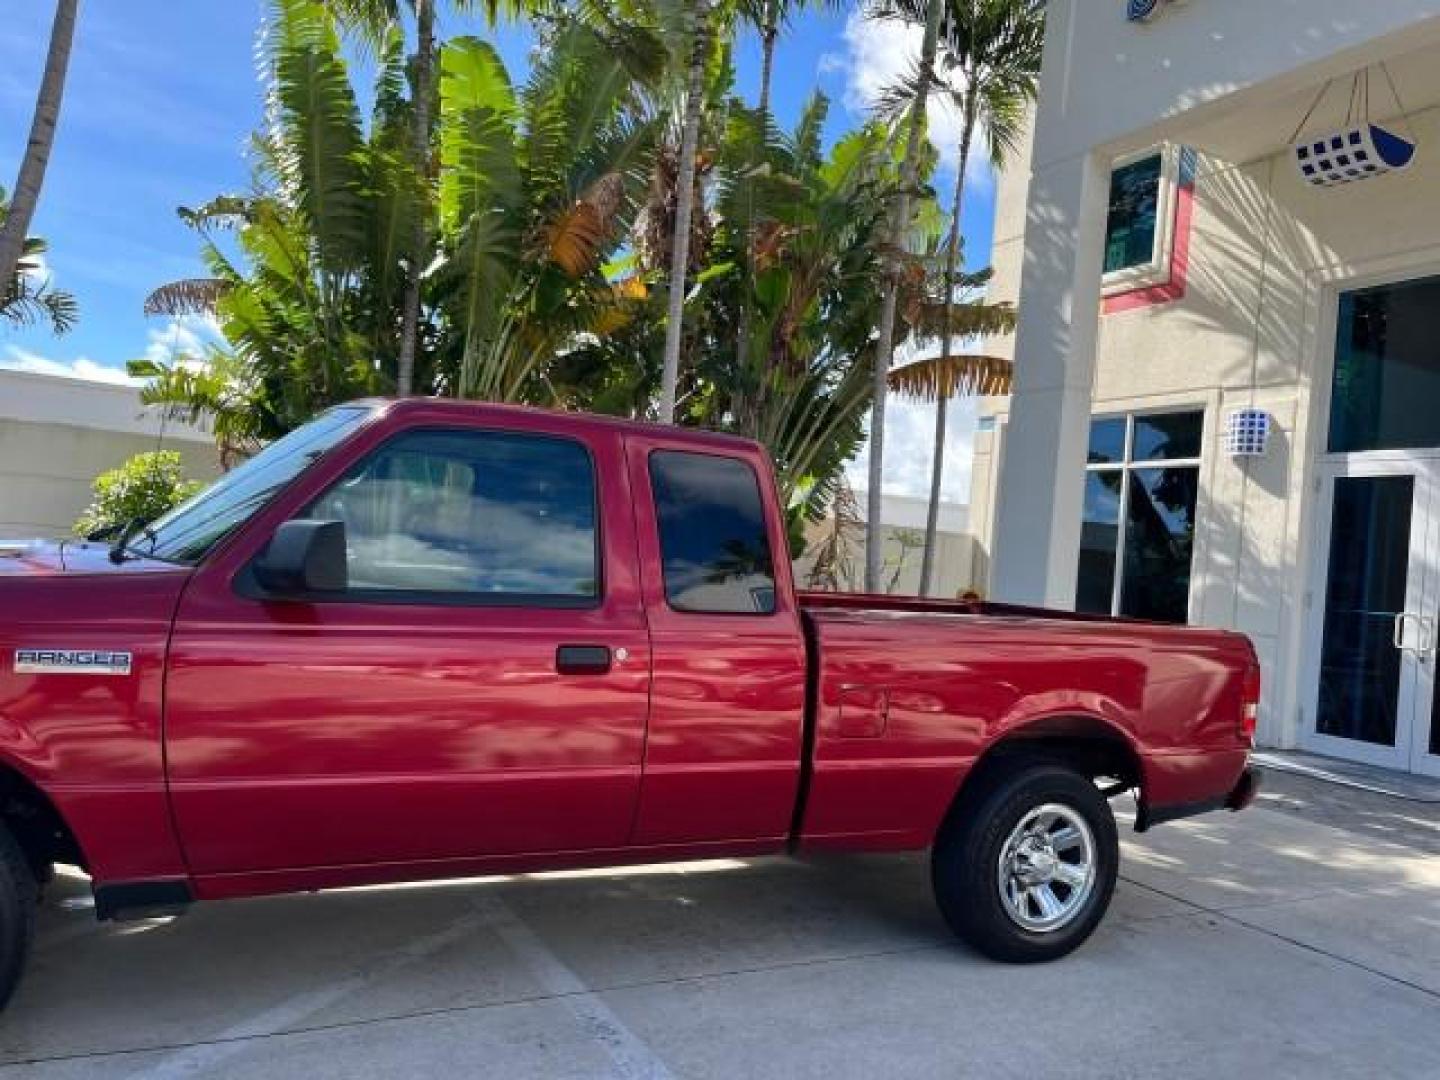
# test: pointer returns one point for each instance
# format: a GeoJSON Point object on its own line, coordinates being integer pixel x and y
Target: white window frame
{"type": "Point", "coordinates": [1158, 270]}
{"type": "Point", "coordinates": [1128, 464]}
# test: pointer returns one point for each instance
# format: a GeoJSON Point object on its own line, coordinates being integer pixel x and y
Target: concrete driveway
{"type": "Point", "coordinates": [1258, 944]}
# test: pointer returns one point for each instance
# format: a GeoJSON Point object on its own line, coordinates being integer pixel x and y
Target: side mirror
{"type": "Point", "coordinates": [303, 557]}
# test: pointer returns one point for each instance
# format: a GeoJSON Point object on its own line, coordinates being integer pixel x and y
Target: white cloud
{"type": "Point", "coordinates": [879, 53]}
{"type": "Point", "coordinates": [81, 367]}
{"type": "Point", "coordinates": [185, 338]}
{"type": "Point", "coordinates": [910, 448]}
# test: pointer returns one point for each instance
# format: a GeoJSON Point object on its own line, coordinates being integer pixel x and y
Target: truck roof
{"type": "Point", "coordinates": [483, 410]}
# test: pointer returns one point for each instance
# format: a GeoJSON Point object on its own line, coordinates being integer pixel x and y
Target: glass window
{"type": "Point", "coordinates": [1107, 441]}
{"type": "Point", "coordinates": [186, 533]}
{"type": "Point", "coordinates": [1159, 540]}
{"type": "Point", "coordinates": [1167, 436]}
{"type": "Point", "coordinates": [1139, 519]}
{"type": "Point", "coordinates": [1133, 219]}
{"type": "Point", "coordinates": [489, 515]}
{"type": "Point", "coordinates": [1099, 542]}
{"type": "Point", "coordinates": [713, 541]}
{"type": "Point", "coordinates": [1387, 369]}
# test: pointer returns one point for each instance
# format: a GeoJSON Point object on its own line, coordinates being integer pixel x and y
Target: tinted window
{"type": "Point", "coordinates": [1167, 436]}
{"type": "Point", "coordinates": [1149, 543]}
{"type": "Point", "coordinates": [1134, 211]}
{"type": "Point", "coordinates": [1107, 441]}
{"type": "Point", "coordinates": [1159, 543]}
{"type": "Point", "coordinates": [485, 514]}
{"type": "Point", "coordinates": [712, 534]}
{"type": "Point", "coordinates": [1099, 541]}
{"type": "Point", "coordinates": [1387, 369]}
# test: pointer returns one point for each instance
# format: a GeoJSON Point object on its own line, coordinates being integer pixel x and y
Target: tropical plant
{"type": "Point", "coordinates": [139, 491]}
{"type": "Point", "coordinates": [989, 64]}
{"type": "Point", "coordinates": [891, 285]}
{"type": "Point", "coordinates": [14, 231]}
{"type": "Point", "coordinates": [534, 186]}
{"type": "Point", "coordinates": [311, 305]}
{"type": "Point", "coordinates": [377, 22]}
{"type": "Point", "coordinates": [28, 299]}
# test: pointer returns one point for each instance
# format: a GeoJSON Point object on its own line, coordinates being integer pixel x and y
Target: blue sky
{"type": "Point", "coordinates": [163, 96]}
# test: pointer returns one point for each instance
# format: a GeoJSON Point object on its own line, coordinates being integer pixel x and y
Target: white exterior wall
{"type": "Point", "coordinates": [1268, 257]}
{"type": "Point", "coordinates": [58, 434]}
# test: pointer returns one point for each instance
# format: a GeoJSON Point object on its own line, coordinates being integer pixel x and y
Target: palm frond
{"type": "Point", "coordinates": [930, 319]}
{"type": "Point", "coordinates": [316, 133]}
{"type": "Point", "coordinates": [946, 377]}
{"type": "Point", "coordinates": [192, 296]}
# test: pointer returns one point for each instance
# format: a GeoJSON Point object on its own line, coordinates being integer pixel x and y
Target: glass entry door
{"type": "Point", "coordinates": [1375, 615]}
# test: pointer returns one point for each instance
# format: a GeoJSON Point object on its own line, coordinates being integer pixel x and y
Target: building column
{"type": "Point", "coordinates": [1042, 478]}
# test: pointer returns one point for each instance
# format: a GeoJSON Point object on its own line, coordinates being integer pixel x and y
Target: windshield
{"type": "Point", "coordinates": [186, 533]}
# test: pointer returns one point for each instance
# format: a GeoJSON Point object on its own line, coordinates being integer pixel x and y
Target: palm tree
{"type": "Point", "coordinates": [885, 341]}
{"type": "Point", "coordinates": [27, 300]}
{"type": "Point", "coordinates": [990, 52]}
{"type": "Point", "coordinates": [695, 42]}
{"type": "Point", "coordinates": [795, 240]}
{"type": "Point", "coordinates": [769, 18]}
{"type": "Point", "coordinates": [16, 228]}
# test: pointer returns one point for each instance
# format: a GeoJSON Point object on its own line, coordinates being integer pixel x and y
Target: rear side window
{"type": "Point", "coordinates": [483, 516]}
{"type": "Point", "coordinates": [713, 543]}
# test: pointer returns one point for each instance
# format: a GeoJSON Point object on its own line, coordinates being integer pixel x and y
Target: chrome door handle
{"type": "Point", "coordinates": [1397, 635]}
{"type": "Point", "coordinates": [1427, 643]}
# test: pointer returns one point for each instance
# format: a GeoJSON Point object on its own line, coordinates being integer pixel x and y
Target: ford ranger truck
{"type": "Point", "coordinates": [424, 639]}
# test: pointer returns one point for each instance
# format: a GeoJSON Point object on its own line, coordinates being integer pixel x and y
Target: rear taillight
{"type": "Point", "coordinates": [1250, 703]}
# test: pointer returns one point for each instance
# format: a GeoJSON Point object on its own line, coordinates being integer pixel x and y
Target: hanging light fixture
{"type": "Point", "coordinates": [1358, 150]}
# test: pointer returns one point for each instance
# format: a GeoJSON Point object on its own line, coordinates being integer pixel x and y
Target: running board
{"type": "Point", "coordinates": [124, 900]}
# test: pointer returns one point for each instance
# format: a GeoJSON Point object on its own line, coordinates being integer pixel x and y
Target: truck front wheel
{"type": "Point", "coordinates": [17, 913]}
{"type": "Point", "coordinates": [1024, 868]}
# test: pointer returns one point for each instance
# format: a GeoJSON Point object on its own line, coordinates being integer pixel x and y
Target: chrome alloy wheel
{"type": "Point", "coordinates": [1047, 868]}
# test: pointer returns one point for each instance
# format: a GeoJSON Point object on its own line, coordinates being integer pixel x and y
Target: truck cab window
{"type": "Point", "coordinates": [497, 516]}
{"type": "Point", "coordinates": [713, 542]}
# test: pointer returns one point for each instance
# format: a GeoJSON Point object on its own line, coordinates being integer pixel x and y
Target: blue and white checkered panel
{"type": "Point", "coordinates": [1350, 155]}
{"type": "Point", "coordinates": [1247, 433]}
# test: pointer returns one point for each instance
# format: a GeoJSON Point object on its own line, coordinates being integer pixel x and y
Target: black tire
{"type": "Point", "coordinates": [965, 863]}
{"type": "Point", "coordinates": [17, 913]}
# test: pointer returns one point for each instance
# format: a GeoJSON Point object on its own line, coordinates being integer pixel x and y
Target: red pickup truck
{"type": "Point", "coordinates": [426, 639]}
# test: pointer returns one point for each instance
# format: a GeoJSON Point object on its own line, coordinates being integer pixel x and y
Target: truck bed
{"type": "Point", "coordinates": [911, 693]}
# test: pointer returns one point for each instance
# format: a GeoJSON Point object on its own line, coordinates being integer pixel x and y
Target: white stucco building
{"type": "Point", "coordinates": [1174, 265]}
{"type": "Point", "coordinates": [57, 434]}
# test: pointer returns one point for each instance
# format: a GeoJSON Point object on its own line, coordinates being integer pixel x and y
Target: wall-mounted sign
{"type": "Point", "coordinates": [1145, 10]}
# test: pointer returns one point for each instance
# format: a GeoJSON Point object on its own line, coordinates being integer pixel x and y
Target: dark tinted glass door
{"type": "Point", "coordinates": [1361, 667]}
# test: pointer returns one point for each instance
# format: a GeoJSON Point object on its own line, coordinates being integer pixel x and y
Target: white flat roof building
{"type": "Point", "coordinates": [1181, 272]}
{"type": "Point", "coordinates": [57, 434]}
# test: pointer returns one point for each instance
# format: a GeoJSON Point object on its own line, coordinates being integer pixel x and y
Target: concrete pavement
{"type": "Point", "coordinates": [1261, 943]}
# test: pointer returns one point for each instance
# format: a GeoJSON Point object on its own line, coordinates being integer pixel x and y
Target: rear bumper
{"type": "Point", "coordinates": [1239, 797]}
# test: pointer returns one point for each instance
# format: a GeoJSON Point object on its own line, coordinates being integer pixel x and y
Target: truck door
{"type": "Point", "coordinates": [479, 689]}
{"type": "Point", "coordinates": [728, 701]}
